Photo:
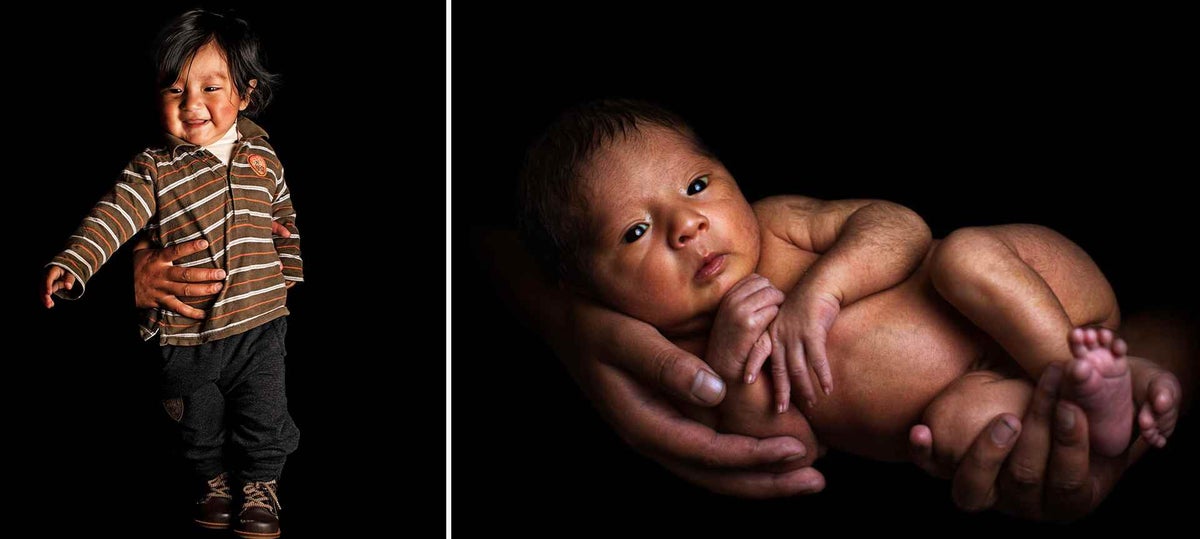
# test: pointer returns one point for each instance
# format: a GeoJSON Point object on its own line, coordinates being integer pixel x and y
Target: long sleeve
{"type": "Point", "coordinates": [288, 248]}
{"type": "Point", "coordinates": [119, 215]}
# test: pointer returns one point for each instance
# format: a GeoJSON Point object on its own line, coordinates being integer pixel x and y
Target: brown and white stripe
{"type": "Point", "coordinates": [180, 193]}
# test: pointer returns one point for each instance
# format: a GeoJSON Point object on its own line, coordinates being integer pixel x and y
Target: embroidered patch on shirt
{"type": "Point", "coordinates": [258, 165]}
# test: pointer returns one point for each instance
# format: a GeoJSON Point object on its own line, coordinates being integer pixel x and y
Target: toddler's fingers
{"type": "Point", "coordinates": [52, 274]}
{"type": "Point", "coordinates": [70, 279]}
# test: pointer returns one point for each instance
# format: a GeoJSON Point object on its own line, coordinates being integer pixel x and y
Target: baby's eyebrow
{"type": "Point", "coordinates": [213, 75]}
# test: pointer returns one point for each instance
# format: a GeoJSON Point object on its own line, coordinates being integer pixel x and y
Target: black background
{"type": "Point", "coordinates": [1013, 127]}
{"type": "Point", "coordinates": [1008, 127]}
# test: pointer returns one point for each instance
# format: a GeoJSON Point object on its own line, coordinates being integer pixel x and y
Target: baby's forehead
{"type": "Point", "coordinates": [649, 153]}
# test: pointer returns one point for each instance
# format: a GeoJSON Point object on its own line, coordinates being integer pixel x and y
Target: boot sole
{"type": "Point", "coordinates": [212, 525]}
{"type": "Point", "coordinates": [254, 535]}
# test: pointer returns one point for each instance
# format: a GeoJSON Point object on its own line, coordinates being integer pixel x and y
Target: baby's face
{"type": "Point", "coordinates": [202, 104]}
{"type": "Point", "coordinates": [670, 230]}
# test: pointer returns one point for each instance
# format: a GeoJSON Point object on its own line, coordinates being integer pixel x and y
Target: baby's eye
{"type": "Point", "coordinates": [173, 91]}
{"type": "Point", "coordinates": [635, 233]}
{"type": "Point", "coordinates": [697, 185]}
{"type": "Point", "coordinates": [211, 88]}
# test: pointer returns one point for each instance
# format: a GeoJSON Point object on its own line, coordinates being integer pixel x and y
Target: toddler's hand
{"type": "Point", "coordinates": [739, 342]}
{"type": "Point", "coordinates": [56, 279]}
{"type": "Point", "coordinates": [798, 338]}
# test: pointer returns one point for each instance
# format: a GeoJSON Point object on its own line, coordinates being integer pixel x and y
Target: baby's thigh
{"type": "Point", "coordinates": [1071, 274]}
{"type": "Point", "coordinates": [961, 411]}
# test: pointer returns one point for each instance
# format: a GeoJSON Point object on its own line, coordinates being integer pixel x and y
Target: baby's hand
{"type": "Point", "coordinates": [56, 279]}
{"type": "Point", "coordinates": [798, 341]}
{"type": "Point", "coordinates": [738, 339]}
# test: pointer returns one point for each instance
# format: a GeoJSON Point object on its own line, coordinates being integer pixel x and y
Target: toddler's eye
{"type": "Point", "coordinates": [636, 232]}
{"type": "Point", "coordinates": [172, 91]}
{"type": "Point", "coordinates": [211, 88]}
{"type": "Point", "coordinates": [697, 185]}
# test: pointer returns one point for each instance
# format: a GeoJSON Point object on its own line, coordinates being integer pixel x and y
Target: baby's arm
{"type": "Point", "coordinates": [865, 245]}
{"type": "Point", "coordinates": [119, 215]}
{"type": "Point", "coordinates": [739, 333]}
{"type": "Point", "coordinates": [287, 245]}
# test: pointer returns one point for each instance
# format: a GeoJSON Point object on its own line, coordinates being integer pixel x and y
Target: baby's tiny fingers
{"type": "Point", "coordinates": [758, 356]}
{"type": "Point", "coordinates": [798, 370]}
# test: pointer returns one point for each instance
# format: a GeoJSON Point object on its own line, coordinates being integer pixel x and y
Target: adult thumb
{"type": "Point", "coordinates": [657, 361]}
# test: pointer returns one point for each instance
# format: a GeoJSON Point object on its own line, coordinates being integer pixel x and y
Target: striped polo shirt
{"type": "Point", "coordinates": [182, 192]}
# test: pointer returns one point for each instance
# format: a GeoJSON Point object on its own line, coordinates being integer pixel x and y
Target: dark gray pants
{"type": "Point", "coordinates": [232, 389]}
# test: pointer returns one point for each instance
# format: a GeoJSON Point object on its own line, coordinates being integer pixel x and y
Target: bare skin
{"type": "Point", "coordinates": [671, 241]}
{"type": "Point", "coordinates": [1047, 471]}
{"type": "Point", "coordinates": [641, 383]}
{"type": "Point", "coordinates": [1028, 288]}
{"type": "Point", "coordinates": [899, 349]}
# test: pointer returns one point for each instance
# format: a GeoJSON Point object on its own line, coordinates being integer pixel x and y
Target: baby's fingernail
{"type": "Point", "coordinates": [827, 389]}
{"type": "Point", "coordinates": [203, 243]}
{"type": "Point", "coordinates": [1002, 432]}
{"type": "Point", "coordinates": [780, 408]}
{"type": "Point", "coordinates": [707, 387]}
{"type": "Point", "coordinates": [1065, 417]}
{"type": "Point", "coordinates": [220, 274]}
{"type": "Point", "coordinates": [750, 378]}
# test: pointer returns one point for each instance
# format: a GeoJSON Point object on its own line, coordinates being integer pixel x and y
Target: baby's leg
{"type": "Point", "coordinates": [1029, 287]}
{"type": "Point", "coordinates": [961, 411]}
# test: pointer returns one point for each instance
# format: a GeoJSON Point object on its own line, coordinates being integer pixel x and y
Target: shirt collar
{"type": "Point", "coordinates": [247, 128]}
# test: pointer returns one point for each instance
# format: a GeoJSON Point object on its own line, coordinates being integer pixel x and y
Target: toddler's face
{"type": "Point", "coordinates": [670, 230]}
{"type": "Point", "coordinates": [202, 104]}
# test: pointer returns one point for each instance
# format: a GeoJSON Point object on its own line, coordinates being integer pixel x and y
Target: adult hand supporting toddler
{"type": "Point", "coordinates": [157, 282]}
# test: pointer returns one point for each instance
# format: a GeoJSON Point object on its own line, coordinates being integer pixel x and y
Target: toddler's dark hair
{"type": "Point", "coordinates": [551, 205]}
{"type": "Point", "coordinates": [178, 42]}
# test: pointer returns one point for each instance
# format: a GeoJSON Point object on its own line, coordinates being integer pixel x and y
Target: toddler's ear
{"type": "Point", "coordinates": [246, 94]}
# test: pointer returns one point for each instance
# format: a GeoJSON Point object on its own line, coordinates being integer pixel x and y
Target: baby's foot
{"type": "Point", "coordinates": [1160, 402]}
{"type": "Point", "coordinates": [1099, 380]}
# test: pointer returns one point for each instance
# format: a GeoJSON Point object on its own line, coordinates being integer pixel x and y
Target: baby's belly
{"type": "Point", "coordinates": [890, 354]}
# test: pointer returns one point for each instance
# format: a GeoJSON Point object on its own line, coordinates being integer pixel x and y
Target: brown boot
{"type": "Point", "coordinates": [214, 510]}
{"type": "Point", "coordinates": [260, 511]}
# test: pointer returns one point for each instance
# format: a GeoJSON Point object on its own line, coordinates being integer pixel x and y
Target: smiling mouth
{"type": "Point", "coordinates": [194, 122]}
{"type": "Point", "coordinates": [712, 266]}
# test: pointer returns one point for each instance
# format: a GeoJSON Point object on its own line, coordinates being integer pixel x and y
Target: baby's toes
{"type": "Point", "coordinates": [1080, 371]}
